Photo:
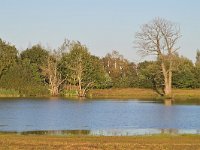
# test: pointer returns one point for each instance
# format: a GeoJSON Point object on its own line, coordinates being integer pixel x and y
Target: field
{"type": "Point", "coordinates": [156, 142]}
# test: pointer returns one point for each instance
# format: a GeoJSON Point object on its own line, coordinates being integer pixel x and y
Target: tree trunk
{"type": "Point", "coordinates": [54, 91]}
{"type": "Point", "coordinates": [167, 90]}
{"type": "Point", "coordinates": [81, 92]}
{"type": "Point", "coordinates": [167, 80]}
{"type": "Point", "coordinates": [168, 85]}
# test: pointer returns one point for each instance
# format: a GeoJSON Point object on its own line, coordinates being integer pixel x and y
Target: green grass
{"type": "Point", "coordinates": [9, 93]}
{"type": "Point", "coordinates": [180, 95]}
{"type": "Point", "coordinates": [136, 93]}
{"type": "Point", "coordinates": [70, 93]}
{"type": "Point", "coordinates": [123, 93]}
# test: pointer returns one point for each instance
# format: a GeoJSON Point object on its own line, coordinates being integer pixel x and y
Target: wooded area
{"type": "Point", "coordinates": [71, 70]}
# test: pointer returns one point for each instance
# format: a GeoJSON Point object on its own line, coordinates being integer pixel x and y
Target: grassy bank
{"type": "Point", "coordinates": [9, 93]}
{"type": "Point", "coordinates": [123, 93]}
{"type": "Point", "coordinates": [156, 142]}
{"type": "Point", "coordinates": [178, 94]}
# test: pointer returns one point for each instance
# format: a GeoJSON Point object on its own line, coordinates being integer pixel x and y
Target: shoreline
{"type": "Point", "coordinates": [144, 94]}
{"type": "Point", "coordinates": [124, 93]}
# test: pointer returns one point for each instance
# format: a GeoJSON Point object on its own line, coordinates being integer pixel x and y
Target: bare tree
{"type": "Point", "coordinates": [50, 70]}
{"type": "Point", "coordinates": [79, 73]}
{"type": "Point", "coordinates": [159, 37]}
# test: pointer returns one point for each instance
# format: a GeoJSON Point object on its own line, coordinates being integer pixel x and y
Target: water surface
{"type": "Point", "coordinates": [97, 117]}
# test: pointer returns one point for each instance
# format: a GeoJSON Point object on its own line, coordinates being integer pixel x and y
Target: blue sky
{"type": "Point", "coordinates": [103, 25]}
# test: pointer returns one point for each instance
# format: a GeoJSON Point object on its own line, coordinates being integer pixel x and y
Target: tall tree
{"type": "Point", "coordinates": [36, 55]}
{"type": "Point", "coordinates": [159, 37]}
{"type": "Point", "coordinates": [51, 71]}
{"type": "Point", "coordinates": [198, 57]}
{"type": "Point", "coordinates": [197, 69]}
{"type": "Point", "coordinates": [121, 71]}
{"type": "Point", "coordinates": [81, 68]}
{"type": "Point", "coordinates": [183, 73]}
{"type": "Point", "coordinates": [150, 76]}
{"type": "Point", "coordinates": [25, 78]}
{"type": "Point", "coordinates": [8, 56]}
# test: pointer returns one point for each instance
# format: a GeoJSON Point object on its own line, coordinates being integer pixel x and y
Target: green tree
{"type": "Point", "coordinates": [150, 76]}
{"type": "Point", "coordinates": [183, 73]}
{"type": "Point", "coordinates": [82, 69]}
{"type": "Point", "coordinates": [198, 57]}
{"type": "Point", "coordinates": [23, 77]}
{"type": "Point", "coordinates": [8, 56]}
{"type": "Point", "coordinates": [121, 71]}
{"type": "Point", "coordinates": [197, 70]}
{"type": "Point", "coordinates": [36, 55]}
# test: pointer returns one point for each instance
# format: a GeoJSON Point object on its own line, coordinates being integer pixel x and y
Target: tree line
{"type": "Point", "coordinates": [71, 70]}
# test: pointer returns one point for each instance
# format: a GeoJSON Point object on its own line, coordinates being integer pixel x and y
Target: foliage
{"type": "Point", "coordinates": [121, 71]}
{"type": "Point", "coordinates": [198, 57]}
{"type": "Point", "coordinates": [52, 74]}
{"type": "Point", "coordinates": [183, 74]}
{"type": "Point", "coordinates": [23, 77]}
{"type": "Point", "coordinates": [36, 55]}
{"type": "Point", "coordinates": [8, 56]}
{"type": "Point", "coordinates": [71, 70]}
{"type": "Point", "coordinates": [81, 68]}
{"type": "Point", "coordinates": [9, 93]}
{"type": "Point", "coordinates": [197, 75]}
{"type": "Point", "coordinates": [150, 76]}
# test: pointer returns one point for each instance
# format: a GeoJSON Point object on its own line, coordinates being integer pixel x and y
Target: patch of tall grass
{"type": "Point", "coordinates": [9, 93]}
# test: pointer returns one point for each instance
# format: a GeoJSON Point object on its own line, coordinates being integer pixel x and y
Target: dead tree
{"type": "Point", "coordinates": [159, 37]}
{"type": "Point", "coordinates": [51, 72]}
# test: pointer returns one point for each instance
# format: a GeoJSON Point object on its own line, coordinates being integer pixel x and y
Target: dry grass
{"type": "Point", "coordinates": [160, 142]}
{"type": "Point", "coordinates": [185, 94]}
{"type": "Point", "coordinates": [123, 93]}
{"type": "Point", "coordinates": [178, 94]}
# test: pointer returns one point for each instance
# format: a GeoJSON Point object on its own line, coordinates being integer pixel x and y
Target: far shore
{"type": "Point", "coordinates": [128, 93]}
{"type": "Point", "coordinates": [148, 94]}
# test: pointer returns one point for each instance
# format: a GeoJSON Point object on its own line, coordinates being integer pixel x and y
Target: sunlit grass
{"type": "Point", "coordinates": [155, 142]}
{"type": "Point", "coordinates": [178, 94]}
{"type": "Point", "coordinates": [9, 93]}
{"type": "Point", "coordinates": [124, 93]}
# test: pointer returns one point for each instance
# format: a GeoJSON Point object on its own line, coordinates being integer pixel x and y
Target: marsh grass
{"type": "Point", "coordinates": [136, 93]}
{"type": "Point", "coordinates": [124, 93]}
{"type": "Point", "coordinates": [9, 93]}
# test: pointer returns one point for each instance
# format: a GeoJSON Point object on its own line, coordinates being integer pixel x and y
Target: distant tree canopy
{"type": "Point", "coordinates": [73, 70]}
{"type": "Point", "coordinates": [198, 57]}
{"type": "Point", "coordinates": [24, 77]}
{"type": "Point", "coordinates": [8, 56]}
{"type": "Point", "coordinates": [82, 69]}
{"type": "Point", "coordinates": [183, 73]}
{"type": "Point", "coordinates": [36, 55]}
{"type": "Point", "coordinates": [121, 71]}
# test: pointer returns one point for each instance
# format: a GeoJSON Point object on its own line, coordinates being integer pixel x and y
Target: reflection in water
{"type": "Point", "coordinates": [57, 132]}
{"type": "Point", "coordinates": [114, 132]}
{"type": "Point", "coordinates": [168, 102]}
{"type": "Point", "coordinates": [97, 117]}
{"type": "Point", "coordinates": [169, 131]}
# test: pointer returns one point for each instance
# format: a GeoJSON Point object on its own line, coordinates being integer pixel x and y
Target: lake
{"type": "Point", "coordinates": [97, 117]}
